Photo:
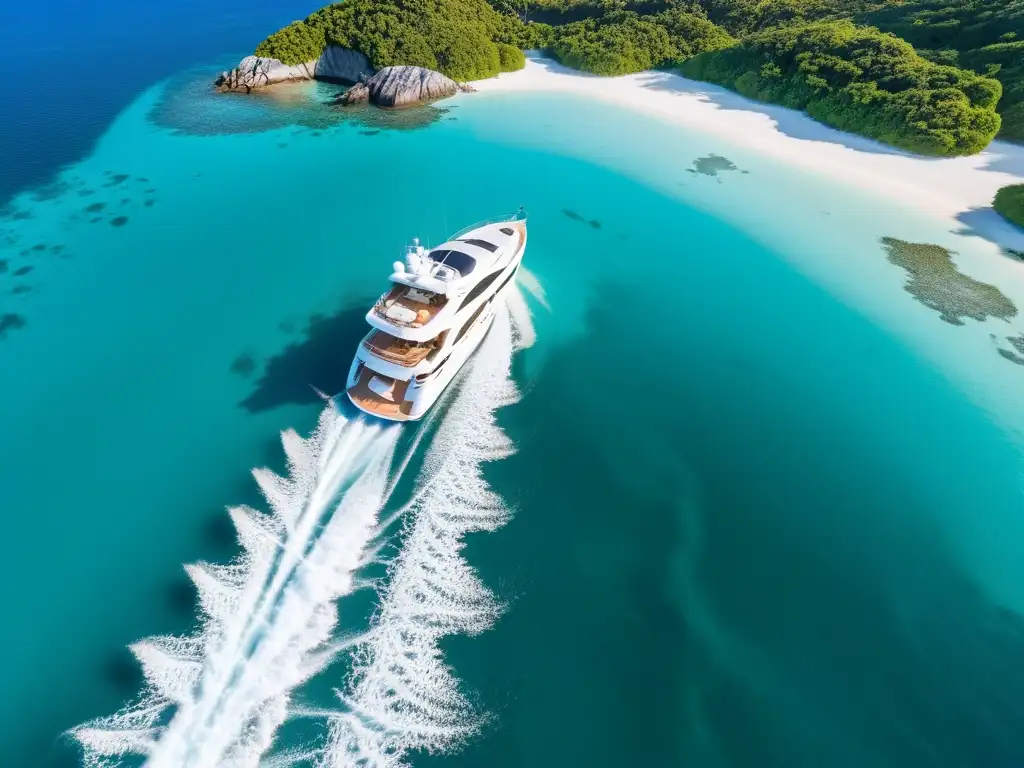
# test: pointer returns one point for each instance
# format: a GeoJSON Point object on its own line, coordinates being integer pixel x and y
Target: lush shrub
{"type": "Point", "coordinates": [986, 36]}
{"type": "Point", "coordinates": [296, 43]}
{"type": "Point", "coordinates": [456, 37]}
{"type": "Point", "coordinates": [1010, 203]}
{"type": "Point", "coordinates": [861, 80]}
{"type": "Point", "coordinates": [623, 41]}
{"type": "Point", "coordinates": [510, 58]}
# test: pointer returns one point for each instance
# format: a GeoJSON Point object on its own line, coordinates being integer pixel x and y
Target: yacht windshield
{"type": "Point", "coordinates": [464, 263]}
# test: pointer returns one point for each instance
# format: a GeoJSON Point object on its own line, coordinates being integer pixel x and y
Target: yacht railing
{"type": "Point", "coordinates": [519, 215]}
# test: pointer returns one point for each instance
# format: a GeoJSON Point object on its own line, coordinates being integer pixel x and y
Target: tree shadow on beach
{"type": "Point", "coordinates": [788, 122]}
{"type": "Point", "coordinates": [986, 224]}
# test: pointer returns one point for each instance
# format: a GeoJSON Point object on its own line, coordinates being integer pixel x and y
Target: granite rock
{"type": "Point", "coordinates": [401, 86]}
{"type": "Point", "coordinates": [335, 64]}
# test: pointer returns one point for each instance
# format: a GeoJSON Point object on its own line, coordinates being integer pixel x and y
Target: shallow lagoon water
{"type": "Point", "coordinates": [768, 504]}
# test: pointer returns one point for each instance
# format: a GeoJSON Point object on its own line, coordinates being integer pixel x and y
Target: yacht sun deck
{"type": "Point", "coordinates": [409, 307]}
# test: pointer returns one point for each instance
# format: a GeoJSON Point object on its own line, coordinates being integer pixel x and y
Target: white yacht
{"type": "Point", "coordinates": [433, 318]}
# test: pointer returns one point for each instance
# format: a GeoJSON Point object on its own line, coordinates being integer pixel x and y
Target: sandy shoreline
{"type": "Point", "coordinates": [960, 189]}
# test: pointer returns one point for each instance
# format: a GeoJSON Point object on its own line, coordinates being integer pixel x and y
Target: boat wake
{"type": "Point", "coordinates": [217, 698]}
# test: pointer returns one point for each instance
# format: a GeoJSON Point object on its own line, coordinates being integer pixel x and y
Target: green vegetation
{"type": "Point", "coordinates": [986, 36]}
{"type": "Point", "coordinates": [931, 86]}
{"type": "Point", "coordinates": [456, 37]}
{"type": "Point", "coordinates": [624, 41]}
{"type": "Point", "coordinates": [1009, 203]}
{"type": "Point", "coordinates": [858, 79]}
{"type": "Point", "coordinates": [510, 58]}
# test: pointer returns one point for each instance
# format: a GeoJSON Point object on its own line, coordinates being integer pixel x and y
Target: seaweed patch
{"type": "Point", "coordinates": [95, 207]}
{"type": "Point", "coordinates": [23, 270]}
{"type": "Point", "coordinates": [10, 321]}
{"type": "Point", "coordinates": [119, 221]}
{"type": "Point", "coordinates": [712, 165]}
{"type": "Point", "coordinates": [935, 281]}
{"type": "Point", "coordinates": [244, 365]}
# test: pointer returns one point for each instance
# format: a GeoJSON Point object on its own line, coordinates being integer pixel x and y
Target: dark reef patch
{"type": "Point", "coordinates": [119, 221]}
{"type": "Point", "coordinates": [282, 145]}
{"type": "Point", "coordinates": [10, 321]}
{"type": "Point", "coordinates": [372, 132]}
{"type": "Point", "coordinates": [142, 179]}
{"type": "Point", "coordinates": [95, 219]}
{"type": "Point", "coordinates": [23, 270]}
{"type": "Point", "coordinates": [20, 289]}
{"type": "Point", "coordinates": [39, 247]}
{"type": "Point", "coordinates": [57, 249]}
{"type": "Point", "coordinates": [572, 214]}
{"type": "Point", "coordinates": [244, 365]}
{"type": "Point", "coordinates": [286, 326]}
{"type": "Point", "coordinates": [149, 203]}
{"type": "Point", "coordinates": [150, 191]}
{"type": "Point", "coordinates": [936, 282]}
{"type": "Point", "coordinates": [116, 179]}
{"type": "Point", "coordinates": [712, 165]}
{"type": "Point", "coordinates": [1017, 342]}
{"type": "Point", "coordinates": [125, 200]}
{"type": "Point", "coordinates": [50, 191]}
{"type": "Point", "coordinates": [86, 192]}
{"type": "Point", "coordinates": [1013, 357]}
{"type": "Point", "coordinates": [4, 264]}
{"type": "Point", "coordinates": [594, 223]}
{"type": "Point", "coordinates": [290, 376]}
{"type": "Point", "coordinates": [95, 207]}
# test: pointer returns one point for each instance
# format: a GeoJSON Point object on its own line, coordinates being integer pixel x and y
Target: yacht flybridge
{"type": "Point", "coordinates": [434, 317]}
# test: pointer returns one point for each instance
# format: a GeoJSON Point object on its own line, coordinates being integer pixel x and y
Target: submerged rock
{"type": "Point", "coordinates": [334, 64]}
{"type": "Point", "coordinates": [401, 86]}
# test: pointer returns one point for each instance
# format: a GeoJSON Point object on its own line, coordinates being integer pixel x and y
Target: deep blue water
{"type": "Point", "coordinates": [71, 67]}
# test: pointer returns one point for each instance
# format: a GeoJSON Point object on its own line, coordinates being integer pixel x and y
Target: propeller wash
{"type": "Point", "coordinates": [269, 619]}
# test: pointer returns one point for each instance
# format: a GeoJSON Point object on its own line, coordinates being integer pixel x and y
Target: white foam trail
{"type": "Point", "coordinates": [533, 286]}
{"type": "Point", "coordinates": [268, 618]}
{"type": "Point", "coordinates": [401, 696]}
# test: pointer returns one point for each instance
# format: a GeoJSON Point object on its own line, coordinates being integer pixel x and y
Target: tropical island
{"type": "Point", "coordinates": [937, 77]}
{"type": "Point", "coordinates": [928, 78]}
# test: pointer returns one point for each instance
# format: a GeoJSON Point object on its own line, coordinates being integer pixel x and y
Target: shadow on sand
{"type": "Point", "coordinates": [989, 225]}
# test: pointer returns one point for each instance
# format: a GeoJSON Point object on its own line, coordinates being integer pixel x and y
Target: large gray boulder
{"type": "Point", "coordinates": [401, 86]}
{"type": "Point", "coordinates": [336, 64]}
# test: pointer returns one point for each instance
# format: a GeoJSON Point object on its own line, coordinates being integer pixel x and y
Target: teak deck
{"type": "Point", "coordinates": [396, 407]}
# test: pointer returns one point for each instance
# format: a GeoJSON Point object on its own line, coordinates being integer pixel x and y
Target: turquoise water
{"type": "Point", "coordinates": [767, 506]}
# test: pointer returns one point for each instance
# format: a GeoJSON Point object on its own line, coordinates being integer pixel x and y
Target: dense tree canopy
{"type": "Point", "coordinates": [986, 36]}
{"type": "Point", "coordinates": [859, 79]}
{"type": "Point", "coordinates": [456, 37]}
{"type": "Point", "coordinates": [932, 86]}
{"type": "Point", "coordinates": [1010, 203]}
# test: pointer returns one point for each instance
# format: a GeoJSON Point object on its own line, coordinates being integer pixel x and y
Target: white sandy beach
{"type": "Point", "coordinates": [960, 189]}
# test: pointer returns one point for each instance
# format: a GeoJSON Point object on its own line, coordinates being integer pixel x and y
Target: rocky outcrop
{"type": "Point", "coordinates": [342, 65]}
{"type": "Point", "coordinates": [401, 86]}
{"type": "Point", "coordinates": [335, 64]}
